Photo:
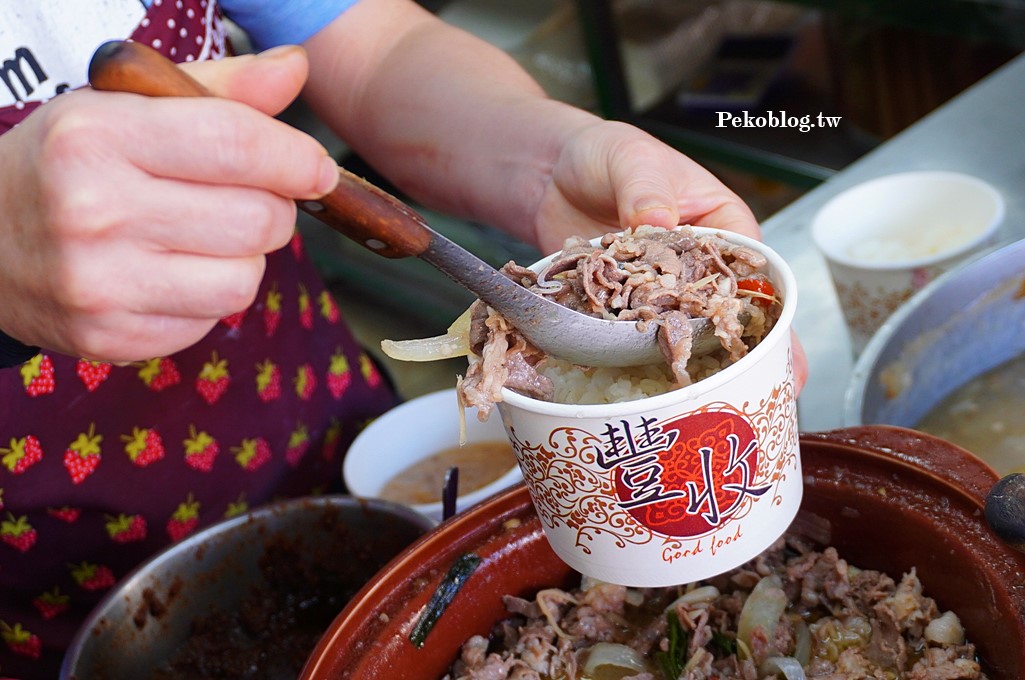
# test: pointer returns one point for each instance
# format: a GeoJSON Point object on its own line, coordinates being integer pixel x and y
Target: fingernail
{"type": "Point", "coordinates": [658, 215]}
{"type": "Point", "coordinates": [328, 175]}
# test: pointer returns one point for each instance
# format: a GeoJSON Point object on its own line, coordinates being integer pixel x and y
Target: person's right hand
{"type": "Point", "coordinates": [132, 224]}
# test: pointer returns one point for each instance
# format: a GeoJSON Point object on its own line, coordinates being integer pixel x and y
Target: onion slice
{"type": "Point", "coordinates": [427, 349]}
{"type": "Point", "coordinates": [697, 596]}
{"type": "Point", "coordinates": [802, 643]}
{"type": "Point", "coordinates": [790, 667]}
{"type": "Point", "coordinates": [455, 342]}
{"type": "Point", "coordinates": [762, 610]}
{"type": "Point", "coordinates": [616, 656]}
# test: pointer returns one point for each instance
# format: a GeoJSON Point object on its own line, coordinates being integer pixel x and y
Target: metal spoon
{"type": "Point", "coordinates": [389, 227]}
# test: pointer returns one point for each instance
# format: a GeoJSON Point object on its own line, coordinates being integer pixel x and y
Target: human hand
{"type": "Point", "coordinates": [610, 175]}
{"type": "Point", "coordinates": [133, 224]}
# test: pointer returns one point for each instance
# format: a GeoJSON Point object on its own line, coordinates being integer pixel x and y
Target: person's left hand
{"type": "Point", "coordinates": [611, 175]}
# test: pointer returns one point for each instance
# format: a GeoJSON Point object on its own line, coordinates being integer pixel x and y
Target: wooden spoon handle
{"type": "Point", "coordinates": [359, 210]}
{"type": "Point", "coordinates": [122, 66]}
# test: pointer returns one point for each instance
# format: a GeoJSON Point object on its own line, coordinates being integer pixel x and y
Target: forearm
{"type": "Point", "coordinates": [452, 121]}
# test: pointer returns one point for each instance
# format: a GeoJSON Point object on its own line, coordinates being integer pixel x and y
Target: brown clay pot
{"type": "Point", "coordinates": [888, 498]}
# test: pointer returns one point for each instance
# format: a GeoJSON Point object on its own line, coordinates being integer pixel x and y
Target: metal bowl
{"type": "Point", "coordinates": [150, 616]}
{"type": "Point", "coordinates": [965, 323]}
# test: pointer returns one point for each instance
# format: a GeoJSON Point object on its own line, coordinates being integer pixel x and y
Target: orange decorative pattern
{"type": "Point", "coordinates": [672, 481]}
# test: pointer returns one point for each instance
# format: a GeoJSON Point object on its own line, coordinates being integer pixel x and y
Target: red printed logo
{"type": "Point", "coordinates": [686, 477]}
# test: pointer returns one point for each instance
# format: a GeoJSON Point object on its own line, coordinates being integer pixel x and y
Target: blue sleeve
{"type": "Point", "coordinates": [270, 23]}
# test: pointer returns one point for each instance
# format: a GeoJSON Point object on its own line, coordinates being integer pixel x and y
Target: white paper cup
{"type": "Point", "coordinates": [887, 238]}
{"type": "Point", "coordinates": [411, 432]}
{"type": "Point", "coordinates": [676, 487]}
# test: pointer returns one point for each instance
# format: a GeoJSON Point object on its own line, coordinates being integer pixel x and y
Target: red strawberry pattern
{"type": "Point", "coordinates": [92, 373]}
{"type": "Point", "coordinates": [332, 438]}
{"type": "Point", "coordinates": [92, 577]}
{"type": "Point", "coordinates": [159, 374]}
{"type": "Point", "coordinates": [144, 446]}
{"type": "Point", "coordinates": [21, 641]}
{"type": "Point", "coordinates": [21, 454]}
{"type": "Point", "coordinates": [368, 370]}
{"type": "Point", "coordinates": [184, 520]}
{"type": "Point", "coordinates": [51, 604]}
{"type": "Point", "coordinates": [339, 375]}
{"type": "Point", "coordinates": [268, 381]}
{"type": "Point", "coordinates": [296, 244]}
{"type": "Point", "coordinates": [213, 379]}
{"type": "Point", "coordinates": [305, 382]}
{"type": "Point", "coordinates": [272, 312]}
{"type": "Point", "coordinates": [37, 375]}
{"type": "Point", "coordinates": [251, 454]}
{"type": "Point", "coordinates": [298, 444]}
{"type": "Point", "coordinates": [65, 514]}
{"type": "Point", "coordinates": [83, 455]}
{"type": "Point", "coordinates": [305, 308]}
{"type": "Point", "coordinates": [200, 450]}
{"type": "Point", "coordinates": [234, 321]}
{"type": "Point", "coordinates": [237, 507]}
{"type": "Point", "coordinates": [18, 533]}
{"type": "Point", "coordinates": [126, 528]}
{"type": "Point", "coordinates": [328, 307]}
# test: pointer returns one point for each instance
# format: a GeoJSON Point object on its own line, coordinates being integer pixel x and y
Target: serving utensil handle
{"type": "Point", "coordinates": [356, 208]}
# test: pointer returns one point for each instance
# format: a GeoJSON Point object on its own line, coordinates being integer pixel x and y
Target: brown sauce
{"type": "Point", "coordinates": [479, 463]}
{"type": "Point", "coordinates": [985, 416]}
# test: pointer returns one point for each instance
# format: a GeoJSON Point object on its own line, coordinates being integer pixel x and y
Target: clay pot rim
{"type": "Point", "coordinates": [913, 457]}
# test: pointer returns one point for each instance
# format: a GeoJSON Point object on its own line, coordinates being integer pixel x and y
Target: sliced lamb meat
{"type": "Point", "coordinates": [648, 275]}
{"type": "Point", "coordinates": [524, 378]}
{"type": "Point", "coordinates": [858, 624]}
{"type": "Point", "coordinates": [945, 663]}
{"type": "Point", "coordinates": [675, 338]}
{"type": "Point", "coordinates": [601, 280]}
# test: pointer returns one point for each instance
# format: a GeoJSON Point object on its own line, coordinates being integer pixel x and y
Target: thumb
{"type": "Point", "coordinates": [648, 198]}
{"type": "Point", "coordinates": [652, 198]}
{"type": "Point", "coordinates": [268, 81]}
{"type": "Point", "coordinates": [733, 215]}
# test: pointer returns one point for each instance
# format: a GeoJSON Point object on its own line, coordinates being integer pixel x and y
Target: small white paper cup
{"type": "Point", "coordinates": [885, 239]}
{"type": "Point", "coordinates": [676, 487]}
{"type": "Point", "coordinates": [411, 432]}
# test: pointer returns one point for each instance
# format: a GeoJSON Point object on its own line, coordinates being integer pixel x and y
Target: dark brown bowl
{"type": "Point", "coordinates": [887, 498]}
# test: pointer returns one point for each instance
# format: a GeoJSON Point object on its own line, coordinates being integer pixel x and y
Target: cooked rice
{"type": "Point", "coordinates": [605, 385]}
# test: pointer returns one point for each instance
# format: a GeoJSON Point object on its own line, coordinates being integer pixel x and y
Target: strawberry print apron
{"type": "Point", "coordinates": [102, 466]}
